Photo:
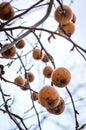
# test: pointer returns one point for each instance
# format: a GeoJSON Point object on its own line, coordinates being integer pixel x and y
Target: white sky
{"type": "Point", "coordinates": [60, 50]}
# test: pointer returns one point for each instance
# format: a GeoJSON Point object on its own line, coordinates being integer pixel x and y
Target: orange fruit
{"type": "Point", "coordinates": [58, 109]}
{"type": "Point", "coordinates": [49, 97]}
{"type": "Point", "coordinates": [45, 58]}
{"type": "Point", "coordinates": [20, 44]}
{"type": "Point", "coordinates": [10, 53]}
{"type": "Point", "coordinates": [64, 15]}
{"type": "Point", "coordinates": [47, 71]}
{"type": "Point", "coordinates": [67, 29]}
{"type": "Point", "coordinates": [19, 80]}
{"type": "Point", "coordinates": [35, 96]}
{"type": "Point", "coordinates": [25, 86]}
{"type": "Point", "coordinates": [6, 11]}
{"type": "Point", "coordinates": [37, 54]}
{"type": "Point", "coordinates": [30, 76]}
{"type": "Point", "coordinates": [61, 77]}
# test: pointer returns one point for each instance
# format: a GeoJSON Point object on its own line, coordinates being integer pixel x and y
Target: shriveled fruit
{"type": "Point", "coordinates": [63, 15]}
{"type": "Point", "coordinates": [10, 53]}
{"type": "Point", "coordinates": [20, 44]}
{"type": "Point", "coordinates": [61, 77]}
{"type": "Point", "coordinates": [30, 76]}
{"type": "Point", "coordinates": [47, 71]}
{"type": "Point", "coordinates": [6, 11]}
{"type": "Point", "coordinates": [49, 97]}
{"type": "Point", "coordinates": [19, 80]}
{"type": "Point", "coordinates": [67, 29]}
{"type": "Point", "coordinates": [59, 109]}
{"type": "Point", "coordinates": [45, 58]}
{"type": "Point", "coordinates": [37, 54]}
{"type": "Point", "coordinates": [35, 96]}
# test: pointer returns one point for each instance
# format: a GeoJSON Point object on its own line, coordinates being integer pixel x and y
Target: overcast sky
{"type": "Point", "coordinates": [59, 48]}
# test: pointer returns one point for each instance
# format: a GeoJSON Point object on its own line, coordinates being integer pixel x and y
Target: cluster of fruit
{"type": "Point", "coordinates": [23, 83]}
{"type": "Point", "coordinates": [66, 19]}
{"type": "Point", "coordinates": [50, 99]}
{"type": "Point", "coordinates": [10, 53]}
{"type": "Point", "coordinates": [48, 96]}
{"type": "Point", "coordinates": [37, 55]}
{"type": "Point", "coordinates": [6, 11]}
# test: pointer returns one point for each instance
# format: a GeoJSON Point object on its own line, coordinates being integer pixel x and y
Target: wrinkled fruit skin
{"type": "Point", "coordinates": [61, 77]}
{"type": "Point", "coordinates": [49, 97]}
{"type": "Point", "coordinates": [47, 71]}
{"type": "Point", "coordinates": [67, 29]}
{"type": "Point", "coordinates": [63, 16]}
{"type": "Point", "coordinates": [59, 109]}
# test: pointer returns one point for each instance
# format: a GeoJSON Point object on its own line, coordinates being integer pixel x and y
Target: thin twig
{"type": "Point", "coordinates": [75, 111]}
